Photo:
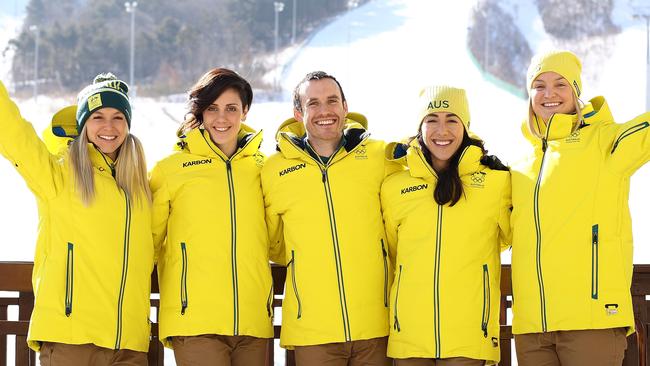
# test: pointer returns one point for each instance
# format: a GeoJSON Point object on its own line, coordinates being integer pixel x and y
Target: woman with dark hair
{"type": "Point", "coordinates": [446, 215]}
{"type": "Point", "coordinates": [94, 255]}
{"type": "Point", "coordinates": [208, 223]}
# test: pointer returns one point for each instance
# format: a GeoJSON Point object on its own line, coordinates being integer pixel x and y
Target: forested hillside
{"type": "Point", "coordinates": [175, 40]}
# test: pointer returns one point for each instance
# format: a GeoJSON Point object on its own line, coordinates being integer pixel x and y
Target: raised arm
{"type": "Point", "coordinates": [20, 144]}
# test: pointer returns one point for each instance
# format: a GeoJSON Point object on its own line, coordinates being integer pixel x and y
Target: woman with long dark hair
{"type": "Point", "coordinates": [446, 215]}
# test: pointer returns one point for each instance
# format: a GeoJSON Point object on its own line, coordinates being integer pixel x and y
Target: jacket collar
{"type": "Point", "coordinates": [292, 142]}
{"type": "Point", "coordinates": [412, 156]}
{"type": "Point", "coordinates": [198, 142]}
{"type": "Point", "coordinates": [559, 126]}
{"type": "Point", "coordinates": [100, 160]}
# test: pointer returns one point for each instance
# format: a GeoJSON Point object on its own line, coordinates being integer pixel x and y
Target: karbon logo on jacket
{"type": "Point", "coordinates": [292, 169]}
{"type": "Point", "coordinates": [414, 188]}
{"type": "Point", "coordinates": [196, 162]}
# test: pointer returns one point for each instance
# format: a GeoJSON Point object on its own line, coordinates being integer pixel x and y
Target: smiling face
{"type": "Point", "coordinates": [550, 93]}
{"type": "Point", "coordinates": [107, 129]}
{"type": "Point", "coordinates": [222, 119]}
{"type": "Point", "coordinates": [442, 134]}
{"type": "Point", "coordinates": [323, 113]}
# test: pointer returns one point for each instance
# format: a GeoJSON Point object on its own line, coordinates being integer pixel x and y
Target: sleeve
{"type": "Point", "coordinates": [389, 225]}
{"type": "Point", "coordinates": [20, 144]}
{"type": "Point", "coordinates": [274, 224]}
{"type": "Point", "coordinates": [505, 209]}
{"type": "Point", "coordinates": [160, 209]}
{"type": "Point", "coordinates": [627, 146]}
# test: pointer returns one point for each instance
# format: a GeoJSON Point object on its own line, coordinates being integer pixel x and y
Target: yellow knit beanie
{"type": "Point", "coordinates": [565, 63]}
{"type": "Point", "coordinates": [443, 98]}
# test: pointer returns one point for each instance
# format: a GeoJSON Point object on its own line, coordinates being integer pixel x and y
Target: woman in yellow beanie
{"type": "Point", "coordinates": [208, 221]}
{"type": "Point", "coordinates": [572, 235]}
{"type": "Point", "coordinates": [446, 215]}
{"type": "Point", "coordinates": [94, 255]}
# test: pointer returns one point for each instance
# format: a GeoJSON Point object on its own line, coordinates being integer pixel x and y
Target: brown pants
{"type": "Point", "coordinates": [220, 350]}
{"type": "Point", "coordinates": [369, 352]}
{"type": "Point", "coordinates": [452, 361]}
{"type": "Point", "coordinates": [595, 347]}
{"type": "Point", "coordinates": [61, 354]}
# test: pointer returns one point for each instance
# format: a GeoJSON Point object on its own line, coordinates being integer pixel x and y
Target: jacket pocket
{"type": "Point", "coordinates": [630, 131]}
{"type": "Point", "coordinates": [184, 279]}
{"type": "Point", "coordinates": [594, 262]}
{"type": "Point", "coordinates": [485, 318]}
{"type": "Point", "coordinates": [292, 264]}
{"type": "Point", "coordinates": [69, 279]}
{"type": "Point", "coordinates": [384, 254]}
{"type": "Point", "coordinates": [269, 302]}
{"type": "Point", "coordinates": [396, 325]}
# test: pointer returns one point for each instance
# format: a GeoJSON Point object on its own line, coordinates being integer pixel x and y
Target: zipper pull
{"type": "Point", "coordinates": [324, 171]}
{"type": "Point", "coordinates": [544, 144]}
{"type": "Point", "coordinates": [228, 166]}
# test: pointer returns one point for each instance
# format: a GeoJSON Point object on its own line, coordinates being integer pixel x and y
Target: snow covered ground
{"type": "Point", "coordinates": [383, 53]}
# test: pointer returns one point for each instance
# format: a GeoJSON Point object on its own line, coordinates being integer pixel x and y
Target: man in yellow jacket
{"type": "Point", "coordinates": [321, 192]}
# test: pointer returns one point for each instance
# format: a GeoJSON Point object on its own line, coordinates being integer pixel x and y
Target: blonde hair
{"type": "Point", "coordinates": [533, 122]}
{"type": "Point", "coordinates": [130, 169]}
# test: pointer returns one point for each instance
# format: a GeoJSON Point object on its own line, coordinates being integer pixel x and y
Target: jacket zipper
{"type": "Point", "coordinates": [337, 254]}
{"type": "Point", "coordinates": [436, 284]}
{"type": "Point", "coordinates": [632, 130]}
{"type": "Point", "coordinates": [538, 230]}
{"type": "Point", "coordinates": [233, 235]}
{"type": "Point", "coordinates": [233, 230]}
{"type": "Point", "coordinates": [384, 255]}
{"type": "Point", "coordinates": [69, 279]}
{"type": "Point", "coordinates": [125, 268]}
{"type": "Point", "coordinates": [334, 232]}
{"type": "Point", "coordinates": [184, 279]}
{"type": "Point", "coordinates": [292, 262]}
{"type": "Point", "coordinates": [485, 319]}
{"type": "Point", "coordinates": [395, 315]}
{"type": "Point", "coordinates": [594, 262]}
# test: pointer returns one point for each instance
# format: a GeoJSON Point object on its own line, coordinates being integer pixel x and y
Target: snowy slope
{"type": "Point", "coordinates": [383, 53]}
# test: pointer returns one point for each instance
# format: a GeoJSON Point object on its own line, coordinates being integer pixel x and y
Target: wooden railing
{"type": "Point", "coordinates": [16, 277]}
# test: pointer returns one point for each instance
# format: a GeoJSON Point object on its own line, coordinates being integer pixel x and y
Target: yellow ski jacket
{"type": "Point", "coordinates": [445, 297]}
{"type": "Point", "coordinates": [208, 223]}
{"type": "Point", "coordinates": [328, 218]}
{"type": "Point", "coordinates": [92, 268]}
{"type": "Point", "coordinates": [572, 234]}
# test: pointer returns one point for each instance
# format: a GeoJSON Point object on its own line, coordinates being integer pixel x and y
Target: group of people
{"type": "Point", "coordinates": [392, 250]}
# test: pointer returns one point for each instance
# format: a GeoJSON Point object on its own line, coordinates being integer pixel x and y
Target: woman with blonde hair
{"type": "Point", "coordinates": [94, 254]}
{"type": "Point", "coordinates": [572, 234]}
{"type": "Point", "coordinates": [216, 290]}
{"type": "Point", "coordinates": [446, 215]}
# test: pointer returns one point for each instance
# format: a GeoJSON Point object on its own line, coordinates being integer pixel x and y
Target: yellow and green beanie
{"type": "Point", "coordinates": [105, 91]}
{"type": "Point", "coordinates": [443, 98]}
{"type": "Point", "coordinates": [565, 63]}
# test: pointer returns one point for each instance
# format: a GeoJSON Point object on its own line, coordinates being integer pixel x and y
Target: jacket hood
{"type": "Point", "coordinates": [595, 112]}
{"type": "Point", "coordinates": [61, 131]}
{"type": "Point", "coordinates": [198, 142]}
